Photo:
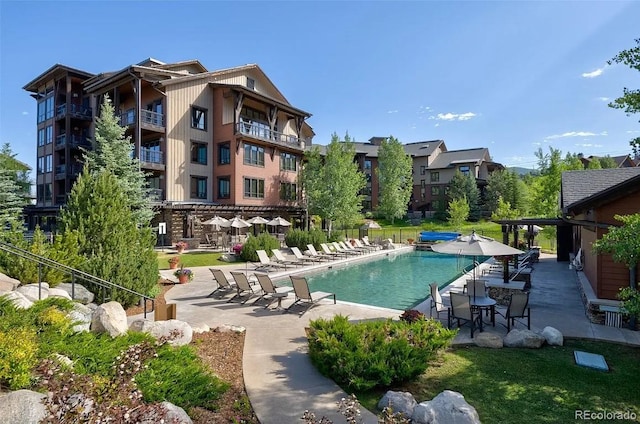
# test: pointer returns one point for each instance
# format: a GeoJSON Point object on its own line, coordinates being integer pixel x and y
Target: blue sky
{"type": "Point", "coordinates": [511, 76]}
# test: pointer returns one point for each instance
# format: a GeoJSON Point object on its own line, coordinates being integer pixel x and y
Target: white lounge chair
{"type": "Point", "coordinates": [265, 263]}
{"type": "Point", "coordinates": [329, 252]}
{"type": "Point", "coordinates": [298, 254]}
{"type": "Point", "coordinates": [314, 253]}
{"type": "Point", "coordinates": [304, 295]}
{"type": "Point", "coordinates": [282, 260]}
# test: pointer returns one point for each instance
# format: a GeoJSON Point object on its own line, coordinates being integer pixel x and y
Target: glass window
{"type": "Point", "coordinates": [48, 192]}
{"type": "Point", "coordinates": [45, 109]}
{"type": "Point", "coordinates": [41, 136]}
{"type": "Point", "coordinates": [435, 177]}
{"type": "Point", "coordinates": [40, 193]}
{"type": "Point", "coordinates": [251, 83]}
{"type": "Point", "coordinates": [288, 191]}
{"type": "Point", "coordinates": [435, 190]}
{"type": "Point", "coordinates": [48, 163]}
{"type": "Point", "coordinates": [367, 165]}
{"type": "Point", "coordinates": [198, 118]}
{"type": "Point", "coordinates": [254, 187]}
{"type": "Point", "coordinates": [199, 153]}
{"type": "Point", "coordinates": [435, 205]}
{"type": "Point", "coordinates": [423, 170]}
{"type": "Point", "coordinates": [288, 162]}
{"type": "Point", "coordinates": [224, 154]}
{"type": "Point", "coordinates": [41, 165]}
{"type": "Point", "coordinates": [464, 169]}
{"type": "Point", "coordinates": [423, 183]}
{"type": "Point", "coordinates": [224, 187]}
{"type": "Point", "coordinates": [49, 135]}
{"type": "Point", "coordinates": [198, 187]}
{"type": "Point", "coordinates": [253, 155]}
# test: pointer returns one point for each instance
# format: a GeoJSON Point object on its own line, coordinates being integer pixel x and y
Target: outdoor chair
{"type": "Point", "coordinates": [342, 247]}
{"type": "Point", "coordinates": [304, 295]}
{"type": "Point", "coordinates": [351, 248]}
{"type": "Point", "coordinates": [265, 263]}
{"type": "Point", "coordinates": [269, 289]}
{"type": "Point", "coordinates": [299, 256]}
{"type": "Point", "coordinates": [366, 242]}
{"type": "Point", "coordinates": [328, 252]}
{"type": "Point", "coordinates": [360, 245]}
{"type": "Point", "coordinates": [243, 287]}
{"type": "Point", "coordinates": [462, 312]}
{"type": "Point", "coordinates": [475, 288]}
{"type": "Point", "coordinates": [436, 300]}
{"type": "Point", "coordinates": [224, 285]}
{"type": "Point", "coordinates": [280, 259]}
{"type": "Point", "coordinates": [517, 310]}
{"type": "Point", "coordinates": [315, 254]}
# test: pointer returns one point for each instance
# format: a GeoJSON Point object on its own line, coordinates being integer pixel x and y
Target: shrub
{"type": "Point", "coordinates": [375, 354]}
{"type": "Point", "coordinates": [411, 315]}
{"type": "Point", "coordinates": [316, 237]}
{"type": "Point", "coordinates": [18, 349]}
{"type": "Point", "coordinates": [297, 238]}
{"type": "Point", "coordinates": [263, 241]}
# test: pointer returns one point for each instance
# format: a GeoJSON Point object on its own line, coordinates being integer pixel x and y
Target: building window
{"type": "Point", "coordinates": [45, 109]}
{"type": "Point", "coordinates": [199, 153]}
{"type": "Point", "coordinates": [253, 155]}
{"type": "Point", "coordinates": [288, 162]}
{"type": "Point", "coordinates": [48, 163]}
{"type": "Point", "coordinates": [367, 165]}
{"type": "Point", "coordinates": [224, 187]}
{"type": "Point", "coordinates": [49, 135]}
{"type": "Point", "coordinates": [40, 165]}
{"type": "Point", "coordinates": [423, 183]}
{"type": "Point", "coordinates": [48, 192]}
{"type": "Point", "coordinates": [41, 135]}
{"type": "Point", "coordinates": [368, 177]}
{"type": "Point", "coordinates": [251, 83]}
{"type": "Point", "coordinates": [198, 187]}
{"type": "Point", "coordinates": [435, 205]}
{"type": "Point", "coordinates": [435, 177]}
{"type": "Point", "coordinates": [288, 191]}
{"type": "Point", "coordinates": [40, 193]}
{"type": "Point", "coordinates": [224, 154]}
{"type": "Point", "coordinates": [254, 187]}
{"type": "Point", "coordinates": [423, 170]}
{"type": "Point", "coordinates": [435, 190]}
{"type": "Point", "coordinates": [198, 118]}
{"type": "Point", "coordinates": [464, 169]}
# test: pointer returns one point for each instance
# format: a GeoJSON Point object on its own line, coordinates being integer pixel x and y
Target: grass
{"type": "Point", "coordinates": [190, 259]}
{"type": "Point", "coordinates": [531, 385]}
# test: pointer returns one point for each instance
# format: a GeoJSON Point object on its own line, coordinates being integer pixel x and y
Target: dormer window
{"type": "Point", "coordinates": [251, 83]}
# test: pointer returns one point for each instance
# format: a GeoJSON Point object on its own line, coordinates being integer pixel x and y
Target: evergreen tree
{"type": "Point", "coordinates": [112, 151]}
{"type": "Point", "coordinates": [10, 199]}
{"type": "Point", "coordinates": [18, 171]}
{"type": "Point", "coordinates": [396, 179]}
{"type": "Point", "coordinates": [507, 185]}
{"type": "Point", "coordinates": [464, 186]}
{"type": "Point", "coordinates": [98, 216]}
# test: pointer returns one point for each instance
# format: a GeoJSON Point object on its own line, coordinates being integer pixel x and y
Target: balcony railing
{"type": "Point", "coordinates": [63, 171]}
{"type": "Point", "coordinates": [151, 156]}
{"type": "Point", "coordinates": [262, 133]}
{"type": "Point", "coordinates": [147, 117]}
{"type": "Point", "coordinates": [156, 194]}
{"type": "Point", "coordinates": [74, 110]}
{"type": "Point", "coordinates": [72, 141]}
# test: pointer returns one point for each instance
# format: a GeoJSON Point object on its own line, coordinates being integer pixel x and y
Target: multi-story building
{"type": "Point", "coordinates": [224, 142]}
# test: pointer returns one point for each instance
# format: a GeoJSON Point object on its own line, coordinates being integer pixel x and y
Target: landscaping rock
{"type": "Point", "coordinates": [200, 328]}
{"type": "Point", "coordinates": [177, 333]}
{"type": "Point", "coordinates": [81, 315]}
{"type": "Point", "coordinates": [168, 413]}
{"type": "Point", "coordinates": [18, 299]}
{"type": "Point", "coordinates": [486, 339]}
{"type": "Point", "coordinates": [33, 292]}
{"type": "Point", "coordinates": [447, 407]}
{"type": "Point", "coordinates": [109, 318]}
{"type": "Point", "coordinates": [65, 361]}
{"type": "Point", "coordinates": [22, 406]}
{"type": "Point", "coordinates": [56, 292]}
{"type": "Point", "coordinates": [225, 328]}
{"type": "Point", "coordinates": [402, 402]}
{"type": "Point", "coordinates": [553, 336]}
{"type": "Point", "coordinates": [81, 294]}
{"type": "Point", "coordinates": [7, 283]}
{"type": "Point", "coordinates": [523, 338]}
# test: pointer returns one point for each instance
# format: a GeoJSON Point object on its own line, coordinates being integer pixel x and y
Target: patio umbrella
{"type": "Point", "coordinates": [257, 220]}
{"type": "Point", "coordinates": [238, 223]}
{"type": "Point", "coordinates": [371, 225]}
{"type": "Point", "coordinates": [217, 221]}
{"type": "Point", "coordinates": [278, 222]}
{"type": "Point", "coordinates": [476, 245]}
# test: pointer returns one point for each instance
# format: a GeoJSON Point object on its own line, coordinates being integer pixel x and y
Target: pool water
{"type": "Point", "coordinates": [398, 281]}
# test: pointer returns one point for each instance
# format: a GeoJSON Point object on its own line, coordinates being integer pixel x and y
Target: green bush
{"type": "Point", "coordinates": [375, 354]}
{"type": "Point", "coordinates": [263, 241]}
{"type": "Point", "coordinates": [18, 348]}
{"type": "Point", "coordinates": [297, 238]}
{"type": "Point", "coordinates": [316, 237]}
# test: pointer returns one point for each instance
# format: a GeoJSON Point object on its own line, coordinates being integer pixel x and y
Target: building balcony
{"type": "Point", "coordinates": [61, 199]}
{"type": "Point", "coordinates": [265, 134]}
{"type": "Point", "coordinates": [156, 195]}
{"type": "Point", "coordinates": [73, 141]}
{"type": "Point", "coordinates": [148, 119]}
{"type": "Point", "coordinates": [74, 110]}
{"type": "Point", "coordinates": [152, 159]}
{"type": "Point", "coordinates": [64, 171]}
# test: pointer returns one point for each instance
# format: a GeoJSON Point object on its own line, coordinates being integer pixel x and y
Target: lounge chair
{"type": "Point", "coordinates": [351, 248]}
{"type": "Point", "coordinates": [366, 242]}
{"type": "Point", "coordinates": [436, 300]}
{"type": "Point", "coordinates": [304, 295]}
{"type": "Point", "coordinates": [462, 312]}
{"type": "Point", "coordinates": [328, 252]}
{"type": "Point", "coordinates": [361, 246]}
{"type": "Point", "coordinates": [269, 290]}
{"type": "Point", "coordinates": [299, 256]}
{"type": "Point", "coordinates": [243, 287]}
{"type": "Point", "coordinates": [315, 254]}
{"type": "Point", "coordinates": [518, 309]}
{"type": "Point", "coordinates": [265, 263]}
{"type": "Point", "coordinates": [343, 249]}
{"type": "Point", "coordinates": [280, 259]}
{"type": "Point", "coordinates": [224, 285]}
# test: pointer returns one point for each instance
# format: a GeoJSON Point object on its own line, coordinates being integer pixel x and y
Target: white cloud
{"type": "Point", "coordinates": [25, 113]}
{"type": "Point", "coordinates": [437, 124]}
{"type": "Point", "coordinates": [392, 111]}
{"type": "Point", "coordinates": [632, 132]}
{"type": "Point", "coordinates": [576, 134]}
{"type": "Point", "coordinates": [454, 116]}
{"type": "Point", "coordinates": [604, 99]}
{"type": "Point", "coordinates": [588, 145]}
{"type": "Point", "coordinates": [593, 74]}
{"type": "Point", "coordinates": [536, 143]}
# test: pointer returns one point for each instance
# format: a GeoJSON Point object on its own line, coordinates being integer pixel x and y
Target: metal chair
{"type": "Point", "coordinates": [517, 310]}
{"type": "Point", "coordinates": [462, 312]}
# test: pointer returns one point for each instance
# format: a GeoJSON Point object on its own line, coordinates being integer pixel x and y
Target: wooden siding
{"type": "Point", "coordinates": [262, 84]}
{"type": "Point", "coordinates": [624, 206]}
{"type": "Point", "coordinates": [180, 99]}
{"type": "Point", "coordinates": [591, 261]}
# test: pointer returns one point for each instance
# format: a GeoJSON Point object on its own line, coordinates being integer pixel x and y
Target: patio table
{"type": "Point", "coordinates": [484, 303]}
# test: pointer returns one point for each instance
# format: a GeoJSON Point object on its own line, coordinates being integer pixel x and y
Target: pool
{"type": "Point", "coordinates": [399, 281]}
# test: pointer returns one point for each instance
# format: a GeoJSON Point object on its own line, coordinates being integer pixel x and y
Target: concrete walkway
{"type": "Point", "coordinates": [279, 378]}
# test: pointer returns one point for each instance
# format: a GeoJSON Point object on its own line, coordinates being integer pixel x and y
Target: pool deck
{"type": "Point", "coordinates": [279, 378]}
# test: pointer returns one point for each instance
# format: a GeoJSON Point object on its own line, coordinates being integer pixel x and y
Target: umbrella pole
{"type": "Point", "coordinates": [505, 270]}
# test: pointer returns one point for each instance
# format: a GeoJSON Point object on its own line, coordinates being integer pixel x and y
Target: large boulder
{"type": "Point", "coordinates": [448, 407]}
{"type": "Point", "coordinates": [399, 402]}
{"type": "Point", "coordinates": [486, 339]}
{"type": "Point", "coordinates": [18, 299]}
{"type": "Point", "coordinates": [81, 315]}
{"type": "Point", "coordinates": [34, 291]}
{"type": "Point", "coordinates": [56, 292]}
{"type": "Point", "coordinates": [7, 283]}
{"type": "Point", "coordinates": [80, 293]}
{"type": "Point", "coordinates": [109, 318]}
{"type": "Point", "coordinates": [553, 336]}
{"type": "Point", "coordinates": [176, 332]}
{"type": "Point", "coordinates": [523, 338]}
{"type": "Point", "coordinates": [167, 413]}
{"type": "Point", "coordinates": [22, 406]}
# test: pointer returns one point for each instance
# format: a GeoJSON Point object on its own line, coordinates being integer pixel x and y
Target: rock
{"type": "Point", "coordinates": [553, 336]}
{"type": "Point", "coordinates": [399, 402]}
{"type": "Point", "coordinates": [200, 328]}
{"type": "Point", "coordinates": [19, 300]}
{"type": "Point", "coordinates": [523, 338]}
{"type": "Point", "coordinates": [80, 293]}
{"type": "Point", "coordinates": [177, 333]}
{"type": "Point", "coordinates": [22, 406]}
{"type": "Point", "coordinates": [447, 407]}
{"type": "Point", "coordinates": [109, 318]}
{"type": "Point", "coordinates": [166, 413]}
{"type": "Point", "coordinates": [486, 339]}
{"type": "Point", "coordinates": [81, 315]}
{"type": "Point", "coordinates": [225, 328]}
{"type": "Point", "coordinates": [7, 283]}
{"type": "Point", "coordinates": [56, 292]}
{"type": "Point", "coordinates": [33, 292]}
{"type": "Point", "coordinates": [65, 361]}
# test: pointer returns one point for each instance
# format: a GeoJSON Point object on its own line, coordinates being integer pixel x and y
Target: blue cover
{"type": "Point", "coordinates": [437, 236]}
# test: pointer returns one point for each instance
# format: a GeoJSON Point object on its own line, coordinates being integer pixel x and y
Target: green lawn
{"type": "Point", "coordinates": [531, 385]}
{"type": "Point", "coordinates": [189, 259]}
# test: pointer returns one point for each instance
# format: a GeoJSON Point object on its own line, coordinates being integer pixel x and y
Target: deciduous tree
{"type": "Point", "coordinates": [464, 186]}
{"type": "Point", "coordinates": [458, 212]}
{"type": "Point", "coordinates": [395, 177]}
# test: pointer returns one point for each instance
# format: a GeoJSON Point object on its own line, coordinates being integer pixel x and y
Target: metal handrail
{"type": "Point", "coordinates": [42, 260]}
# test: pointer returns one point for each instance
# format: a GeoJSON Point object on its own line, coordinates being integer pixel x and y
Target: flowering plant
{"type": "Point", "coordinates": [237, 249]}
{"type": "Point", "coordinates": [184, 271]}
{"type": "Point", "coordinates": [174, 260]}
{"type": "Point", "coordinates": [181, 245]}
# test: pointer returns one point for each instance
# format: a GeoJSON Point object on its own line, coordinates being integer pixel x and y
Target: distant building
{"type": "Point", "coordinates": [623, 161]}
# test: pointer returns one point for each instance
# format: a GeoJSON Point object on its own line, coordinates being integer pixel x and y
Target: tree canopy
{"type": "Point", "coordinates": [464, 186]}
{"type": "Point", "coordinates": [14, 187]}
{"type": "Point", "coordinates": [508, 186]}
{"type": "Point", "coordinates": [395, 177]}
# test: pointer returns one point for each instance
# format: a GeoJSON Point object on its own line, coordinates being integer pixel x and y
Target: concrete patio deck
{"type": "Point", "coordinates": [279, 378]}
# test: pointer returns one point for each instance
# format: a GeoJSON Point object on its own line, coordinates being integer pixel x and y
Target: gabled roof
{"type": "Point", "coordinates": [107, 78]}
{"type": "Point", "coordinates": [423, 148]}
{"type": "Point", "coordinates": [56, 70]}
{"type": "Point", "coordinates": [579, 188]}
{"type": "Point", "coordinates": [458, 157]}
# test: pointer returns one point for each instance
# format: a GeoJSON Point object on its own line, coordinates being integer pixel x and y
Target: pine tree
{"type": "Point", "coordinates": [464, 186]}
{"type": "Point", "coordinates": [396, 179]}
{"type": "Point", "coordinates": [112, 151]}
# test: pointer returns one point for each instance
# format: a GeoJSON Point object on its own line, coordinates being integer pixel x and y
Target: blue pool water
{"type": "Point", "coordinates": [397, 281]}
